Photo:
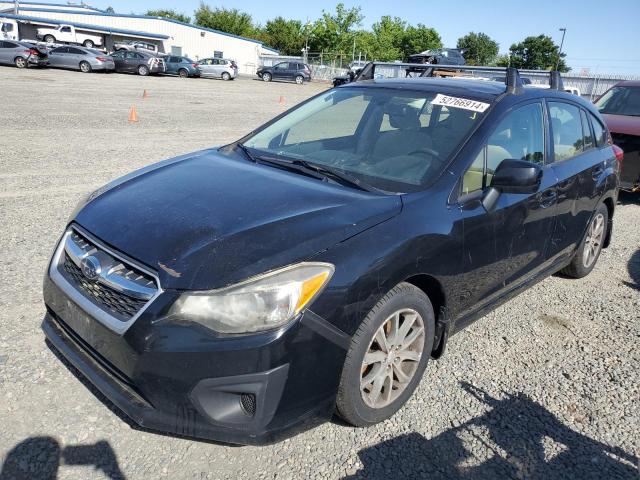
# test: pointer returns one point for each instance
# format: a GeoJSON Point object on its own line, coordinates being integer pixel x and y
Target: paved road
{"type": "Point", "coordinates": [545, 387]}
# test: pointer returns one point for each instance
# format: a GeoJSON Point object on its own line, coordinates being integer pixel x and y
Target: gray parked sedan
{"type": "Point", "coordinates": [21, 54]}
{"type": "Point", "coordinates": [80, 58]}
{"type": "Point", "coordinates": [218, 68]}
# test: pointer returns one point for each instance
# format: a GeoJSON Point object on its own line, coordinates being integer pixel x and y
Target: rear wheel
{"type": "Point", "coordinates": [589, 250]}
{"type": "Point", "coordinates": [226, 76]}
{"type": "Point", "coordinates": [88, 43]}
{"type": "Point", "coordinates": [299, 79]}
{"type": "Point", "coordinates": [49, 39]}
{"type": "Point", "coordinates": [143, 70]}
{"type": "Point", "coordinates": [183, 73]}
{"type": "Point", "coordinates": [21, 62]}
{"type": "Point", "coordinates": [266, 77]}
{"type": "Point", "coordinates": [387, 357]}
{"type": "Point", "coordinates": [85, 67]}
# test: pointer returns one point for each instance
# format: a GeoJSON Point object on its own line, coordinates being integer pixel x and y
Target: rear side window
{"type": "Point", "coordinates": [76, 51]}
{"type": "Point", "coordinates": [599, 132]}
{"type": "Point", "coordinates": [587, 136]}
{"type": "Point", "coordinates": [566, 128]}
{"type": "Point", "coordinates": [10, 45]}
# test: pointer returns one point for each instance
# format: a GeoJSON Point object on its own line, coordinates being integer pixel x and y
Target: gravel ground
{"type": "Point", "coordinates": [545, 387]}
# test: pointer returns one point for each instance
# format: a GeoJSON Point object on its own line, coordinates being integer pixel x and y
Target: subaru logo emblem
{"type": "Point", "coordinates": [91, 268]}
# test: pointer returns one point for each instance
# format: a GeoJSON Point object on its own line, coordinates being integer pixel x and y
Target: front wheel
{"type": "Point", "coordinates": [226, 76]}
{"type": "Point", "coordinates": [88, 43]}
{"type": "Point", "coordinates": [266, 77]}
{"type": "Point", "coordinates": [85, 67]}
{"type": "Point", "coordinates": [20, 62]}
{"type": "Point", "coordinates": [299, 79]}
{"type": "Point", "coordinates": [49, 39]}
{"type": "Point", "coordinates": [387, 357]}
{"type": "Point", "coordinates": [143, 70]}
{"type": "Point", "coordinates": [589, 250]}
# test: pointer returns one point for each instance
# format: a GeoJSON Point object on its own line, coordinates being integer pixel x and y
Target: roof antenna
{"type": "Point", "coordinates": [555, 80]}
{"type": "Point", "coordinates": [513, 80]}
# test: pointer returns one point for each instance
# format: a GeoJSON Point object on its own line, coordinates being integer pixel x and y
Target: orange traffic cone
{"type": "Point", "coordinates": [133, 115]}
{"type": "Point", "coordinates": [145, 94]}
{"type": "Point", "coordinates": [281, 101]}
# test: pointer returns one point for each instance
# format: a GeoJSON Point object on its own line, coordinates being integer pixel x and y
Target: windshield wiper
{"type": "Point", "coordinates": [246, 152]}
{"type": "Point", "coordinates": [338, 175]}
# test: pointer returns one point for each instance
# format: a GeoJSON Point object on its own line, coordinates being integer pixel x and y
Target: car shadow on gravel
{"type": "Point", "coordinates": [40, 458]}
{"type": "Point", "coordinates": [515, 438]}
{"type": "Point", "coordinates": [634, 271]}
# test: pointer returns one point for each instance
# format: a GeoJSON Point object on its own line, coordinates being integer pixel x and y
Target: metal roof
{"type": "Point", "coordinates": [67, 5]}
{"type": "Point", "coordinates": [85, 26]}
{"type": "Point", "coordinates": [170, 20]}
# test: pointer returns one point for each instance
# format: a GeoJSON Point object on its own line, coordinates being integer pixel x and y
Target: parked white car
{"type": "Point", "coordinates": [135, 45]}
{"type": "Point", "coordinates": [69, 34]}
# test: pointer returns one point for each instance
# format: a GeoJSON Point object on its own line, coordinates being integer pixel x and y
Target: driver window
{"type": "Point", "coordinates": [520, 136]}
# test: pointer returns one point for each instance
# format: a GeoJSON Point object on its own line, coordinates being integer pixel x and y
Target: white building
{"type": "Point", "coordinates": [170, 35]}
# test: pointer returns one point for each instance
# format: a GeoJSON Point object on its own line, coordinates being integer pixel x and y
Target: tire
{"type": "Point", "coordinates": [20, 62]}
{"type": "Point", "coordinates": [360, 406]}
{"type": "Point", "coordinates": [85, 67]}
{"type": "Point", "coordinates": [226, 76]}
{"type": "Point", "coordinates": [143, 70]}
{"type": "Point", "coordinates": [49, 39]}
{"type": "Point", "coordinates": [299, 79]}
{"type": "Point", "coordinates": [88, 43]}
{"type": "Point", "coordinates": [266, 77]}
{"type": "Point", "coordinates": [182, 73]}
{"type": "Point", "coordinates": [588, 252]}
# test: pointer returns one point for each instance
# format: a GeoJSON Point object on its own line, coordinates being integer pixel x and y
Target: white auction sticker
{"type": "Point", "coordinates": [456, 102]}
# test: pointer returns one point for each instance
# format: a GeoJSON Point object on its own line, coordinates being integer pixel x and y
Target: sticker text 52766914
{"type": "Point", "coordinates": [463, 103]}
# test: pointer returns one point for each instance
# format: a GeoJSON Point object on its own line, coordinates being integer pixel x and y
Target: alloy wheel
{"type": "Point", "coordinates": [21, 62]}
{"type": "Point", "coordinates": [392, 358]}
{"type": "Point", "coordinates": [593, 242]}
{"type": "Point", "coordinates": [299, 80]}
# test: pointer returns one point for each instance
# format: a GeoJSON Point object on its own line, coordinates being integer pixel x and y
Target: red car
{"type": "Point", "coordinates": [620, 108]}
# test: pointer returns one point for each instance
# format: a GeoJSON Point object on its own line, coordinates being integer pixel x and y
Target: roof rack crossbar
{"type": "Point", "coordinates": [512, 74]}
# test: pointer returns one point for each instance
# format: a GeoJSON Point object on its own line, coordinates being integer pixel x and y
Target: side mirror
{"type": "Point", "coordinates": [517, 176]}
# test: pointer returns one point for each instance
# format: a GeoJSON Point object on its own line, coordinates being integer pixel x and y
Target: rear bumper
{"type": "Point", "coordinates": [182, 381]}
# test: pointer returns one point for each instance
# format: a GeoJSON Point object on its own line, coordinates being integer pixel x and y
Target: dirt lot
{"type": "Point", "coordinates": [545, 387]}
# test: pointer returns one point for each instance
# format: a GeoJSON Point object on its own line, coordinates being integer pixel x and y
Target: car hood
{"type": "Point", "coordinates": [623, 124]}
{"type": "Point", "coordinates": [208, 220]}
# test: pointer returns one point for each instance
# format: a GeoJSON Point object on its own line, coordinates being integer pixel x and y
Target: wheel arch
{"type": "Point", "coordinates": [433, 289]}
{"type": "Point", "coordinates": [610, 204]}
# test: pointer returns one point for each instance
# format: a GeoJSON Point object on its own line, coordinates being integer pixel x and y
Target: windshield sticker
{"type": "Point", "coordinates": [463, 103]}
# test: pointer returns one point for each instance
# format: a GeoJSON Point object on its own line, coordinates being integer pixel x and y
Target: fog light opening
{"type": "Point", "coordinates": [248, 404]}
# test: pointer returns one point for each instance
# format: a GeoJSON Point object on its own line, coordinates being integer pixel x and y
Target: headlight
{"type": "Point", "coordinates": [260, 303]}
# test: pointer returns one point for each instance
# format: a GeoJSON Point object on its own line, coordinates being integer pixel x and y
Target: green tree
{"type": "Point", "coordinates": [389, 34]}
{"type": "Point", "coordinates": [286, 36]}
{"type": "Point", "coordinates": [478, 48]}
{"type": "Point", "coordinates": [335, 32]}
{"type": "Point", "coordinates": [537, 53]}
{"type": "Point", "coordinates": [110, 9]}
{"type": "Point", "coordinates": [181, 17]}
{"type": "Point", "coordinates": [226, 20]}
{"type": "Point", "coordinates": [418, 39]}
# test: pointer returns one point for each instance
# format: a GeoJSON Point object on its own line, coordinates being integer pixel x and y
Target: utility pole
{"type": "Point", "coordinates": [16, 7]}
{"type": "Point", "coordinates": [564, 31]}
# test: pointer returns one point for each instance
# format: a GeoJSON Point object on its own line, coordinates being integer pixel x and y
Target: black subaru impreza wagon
{"type": "Point", "coordinates": [248, 292]}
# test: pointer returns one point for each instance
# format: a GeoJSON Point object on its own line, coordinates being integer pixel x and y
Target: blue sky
{"type": "Point", "coordinates": [601, 36]}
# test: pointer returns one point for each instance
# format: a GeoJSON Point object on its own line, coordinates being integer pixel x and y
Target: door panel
{"type": "Point", "coordinates": [578, 165]}
{"type": "Point", "coordinates": [508, 244]}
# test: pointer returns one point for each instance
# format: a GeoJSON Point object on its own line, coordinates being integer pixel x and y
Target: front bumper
{"type": "Point", "coordinates": [183, 380]}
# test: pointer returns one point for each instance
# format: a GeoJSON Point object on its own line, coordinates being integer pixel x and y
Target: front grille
{"type": "Point", "coordinates": [123, 306]}
{"type": "Point", "coordinates": [113, 288]}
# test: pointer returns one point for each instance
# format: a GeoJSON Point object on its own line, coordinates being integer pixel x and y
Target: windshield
{"type": "Point", "coordinates": [620, 101]}
{"type": "Point", "coordinates": [394, 140]}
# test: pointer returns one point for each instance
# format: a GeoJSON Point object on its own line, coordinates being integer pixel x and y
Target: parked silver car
{"type": "Point", "coordinates": [21, 54]}
{"type": "Point", "coordinates": [218, 68]}
{"type": "Point", "coordinates": [80, 58]}
{"type": "Point", "coordinates": [135, 45]}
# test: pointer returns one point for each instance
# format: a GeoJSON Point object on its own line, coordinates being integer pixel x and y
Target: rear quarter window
{"type": "Point", "coordinates": [599, 132]}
